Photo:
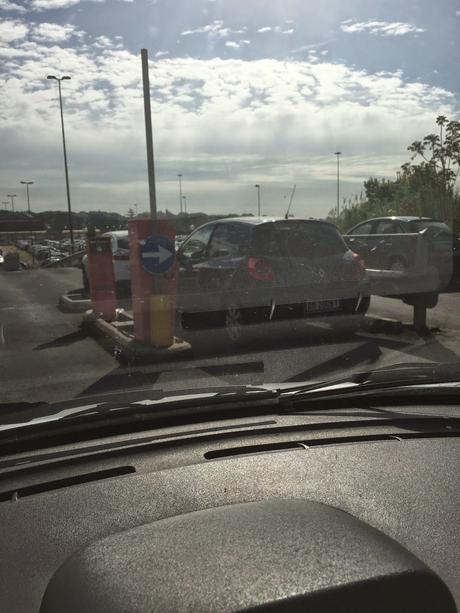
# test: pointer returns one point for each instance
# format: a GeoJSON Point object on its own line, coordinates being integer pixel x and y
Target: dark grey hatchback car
{"type": "Point", "coordinates": [245, 270]}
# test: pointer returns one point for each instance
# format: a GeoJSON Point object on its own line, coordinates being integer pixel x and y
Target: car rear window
{"type": "Point", "coordinates": [309, 240]}
{"type": "Point", "coordinates": [422, 224]}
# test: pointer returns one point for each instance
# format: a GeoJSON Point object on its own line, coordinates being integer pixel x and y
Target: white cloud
{"type": "Point", "coordinates": [53, 33]}
{"type": "Point", "coordinates": [232, 44]}
{"type": "Point", "coordinates": [383, 28]}
{"type": "Point", "coordinates": [225, 121]}
{"type": "Point", "coordinates": [7, 5]}
{"type": "Point", "coordinates": [215, 29]}
{"type": "Point", "coordinates": [48, 5]}
{"type": "Point", "coordinates": [457, 13]}
{"type": "Point", "coordinates": [12, 30]}
{"type": "Point", "coordinates": [277, 29]}
{"type": "Point", "coordinates": [161, 53]}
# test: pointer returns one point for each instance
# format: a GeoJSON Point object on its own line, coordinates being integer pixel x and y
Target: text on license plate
{"type": "Point", "coordinates": [322, 306]}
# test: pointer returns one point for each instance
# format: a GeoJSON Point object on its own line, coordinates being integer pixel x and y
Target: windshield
{"type": "Point", "coordinates": [199, 195]}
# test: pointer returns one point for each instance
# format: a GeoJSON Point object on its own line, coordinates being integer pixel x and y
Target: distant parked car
{"type": "Point", "coordinates": [120, 250]}
{"type": "Point", "coordinates": [379, 247]}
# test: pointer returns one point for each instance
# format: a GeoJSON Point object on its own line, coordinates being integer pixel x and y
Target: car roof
{"type": "Point", "coordinates": [399, 218]}
{"type": "Point", "coordinates": [258, 221]}
{"type": "Point", "coordinates": [117, 233]}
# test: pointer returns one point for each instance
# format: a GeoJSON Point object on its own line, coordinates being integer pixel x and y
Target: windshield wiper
{"type": "Point", "coordinates": [413, 378]}
{"type": "Point", "coordinates": [161, 407]}
{"type": "Point", "coordinates": [153, 404]}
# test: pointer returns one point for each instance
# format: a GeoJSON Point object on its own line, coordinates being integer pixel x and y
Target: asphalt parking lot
{"type": "Point", "coordinates": [46, 355]}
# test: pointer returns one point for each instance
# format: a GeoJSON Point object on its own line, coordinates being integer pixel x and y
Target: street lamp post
{"type": "Point", "coordinates": [12, 196]}
{"type": "Point", "coordinates": [180, 192]}
{"type": "Point", "coordinates": [338, 154]}
{"type": "Point", "coordinates": [258, 199]}
{"type": "Point", "coordinates": [27, 183]}
{"type": "Point", "coordinates": [65, 78]}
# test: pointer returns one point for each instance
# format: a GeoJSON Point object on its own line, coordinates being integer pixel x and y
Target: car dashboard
{"type": "Point", "coordinates": [343, 510]}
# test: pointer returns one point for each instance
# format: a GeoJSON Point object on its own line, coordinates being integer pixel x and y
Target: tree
{"type": "Point", "coordinates": [425, 186]}
{"type": "Point", "coordinates": [439, 167]}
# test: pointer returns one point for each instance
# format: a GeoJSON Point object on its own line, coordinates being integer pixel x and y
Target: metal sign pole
{"type": "Point", "coordinates": [148, 134]}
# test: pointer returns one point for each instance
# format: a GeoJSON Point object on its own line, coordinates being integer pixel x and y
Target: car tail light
{"type": "Point", "coordinates": [359, 263]}
{"type": "Point", "coordinates": [260, 269]}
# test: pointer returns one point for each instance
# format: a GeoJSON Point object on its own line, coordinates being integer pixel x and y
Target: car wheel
{"type": "Point", "coordinates": [397, 264]}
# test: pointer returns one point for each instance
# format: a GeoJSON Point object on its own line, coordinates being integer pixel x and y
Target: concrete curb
{"type": "Point", "coordinates": [125, 346]}
{"type": "Point", "coordinates": [74, 303]}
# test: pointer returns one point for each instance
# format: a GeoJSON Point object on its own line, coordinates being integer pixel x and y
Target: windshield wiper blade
{"type": "Point", "coordinates": [382, 379]}
{"type": "Point", "coordinates": [146, 405]}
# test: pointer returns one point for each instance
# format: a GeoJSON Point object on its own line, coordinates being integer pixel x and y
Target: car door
{"type": "Point", "coordinates": [227, 251]}
{"type": "Point", "coordinates": [192, 253]}
{"type": "Point", "coordinates": [360, 240]}
{"type": "Point", "coordinates": [386, 244]}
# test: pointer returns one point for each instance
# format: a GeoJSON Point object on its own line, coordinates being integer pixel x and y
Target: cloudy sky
{"type": "Point", "coordinates": [243, 92]}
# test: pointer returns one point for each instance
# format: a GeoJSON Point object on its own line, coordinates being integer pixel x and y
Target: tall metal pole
{"type": "Point", "coordinates": [258, 199]}
{"type": "Point", "coordinates": [148, 133]}
{"type": "Point", "coordinates": [27, 183]}
{"type": "Point", "coordinates": [184, 198]}
{"type": "Point", "coordinates": [12, 201]}
{"type": "Point", "coordinates": [69, 208]}
{"type": "Point", "coordinates": [180, 193]}
{"type": "Point", "coordinates": [338, 154]}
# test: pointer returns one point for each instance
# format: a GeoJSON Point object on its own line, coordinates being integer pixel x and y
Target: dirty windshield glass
{"type": "Point", "coordinates": [218, 193]}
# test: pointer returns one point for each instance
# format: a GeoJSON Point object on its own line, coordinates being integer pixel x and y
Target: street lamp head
{"type": "Point", "coordinates": [27, 182]}
{"type": "Point", "coordinates": [11, 195]}
{"type": "Point", "coordinates": [257, 185]}
{"type": "Point", "coordinates": [52, 76]}
{"type": "Point", "coordinates": [338, 153]}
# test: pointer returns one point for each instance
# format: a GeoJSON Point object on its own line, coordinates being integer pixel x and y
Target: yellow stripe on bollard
{"type": "Point", "coordinates": [161, 320]}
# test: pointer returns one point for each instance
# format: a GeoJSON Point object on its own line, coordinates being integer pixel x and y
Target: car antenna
{"type": "Point", "coordinates": [290, 201]}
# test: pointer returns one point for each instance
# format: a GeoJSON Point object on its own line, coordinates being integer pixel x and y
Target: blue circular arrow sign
{"type": "Point", "coordinates": [157, 254]}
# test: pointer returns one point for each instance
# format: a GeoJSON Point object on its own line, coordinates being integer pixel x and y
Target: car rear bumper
{"type": "Point", "coordinates": [270, 296]}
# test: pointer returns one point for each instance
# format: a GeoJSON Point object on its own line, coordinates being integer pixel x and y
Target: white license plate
{"type": "Point", "coordinates": [322, 306]}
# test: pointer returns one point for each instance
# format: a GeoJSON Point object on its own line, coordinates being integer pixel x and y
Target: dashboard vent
{"type": "Point", "coordinates": [323, 442]}
{"type": "Point", "coordinates": [58, 484]}
{"type": "Point", "coordinates": [271, 447]}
